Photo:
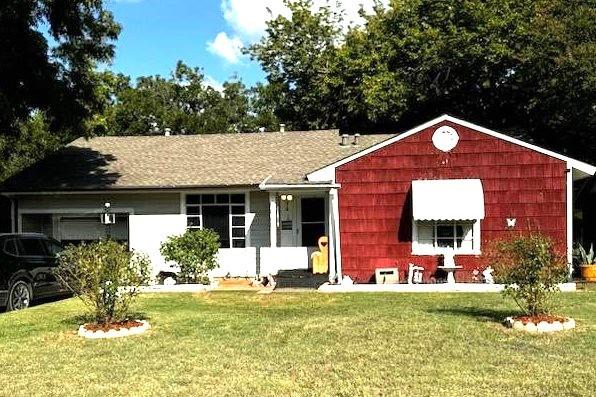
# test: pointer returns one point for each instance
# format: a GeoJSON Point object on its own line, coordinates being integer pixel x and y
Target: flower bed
{"type": "Point", "coordinates": [113, 330]}
{"type": "Point", "coordinates": [540, 323]}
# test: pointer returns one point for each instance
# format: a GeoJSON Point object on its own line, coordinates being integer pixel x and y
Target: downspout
{"type": "Point", "coordinates": [569, 204]}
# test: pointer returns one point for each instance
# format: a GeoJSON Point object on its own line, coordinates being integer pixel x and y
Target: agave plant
{"type": "Point", "coordinates": [585, 258]}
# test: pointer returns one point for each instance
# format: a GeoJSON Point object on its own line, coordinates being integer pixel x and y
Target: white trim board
{"type": "Point", "coordinates": [327, 173]}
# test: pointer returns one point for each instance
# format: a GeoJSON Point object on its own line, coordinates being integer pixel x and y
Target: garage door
{"type": "Point", "coordinates": [78, 229]}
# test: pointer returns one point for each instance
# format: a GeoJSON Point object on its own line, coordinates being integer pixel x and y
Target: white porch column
{"type": "Point", "coordinates": [569, 200]}
{"type": "Point", "coordinates": [335, 241]}
{"type": "Point", "coordinates": [332, 234]}
{"type": "Point", "coordinates": [272, 219]}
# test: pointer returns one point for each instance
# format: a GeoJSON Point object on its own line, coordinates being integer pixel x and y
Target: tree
{"type": "Point", "coordinates": [299, 55]}
{"type": "Point", "coordinates": [33, 142]}
{"type": "Point", "coordinates": [522, 66]}
{"type": "Point", "coordinates": [48, 53]}
{"type": "Point", "coordinates": [183, 103]}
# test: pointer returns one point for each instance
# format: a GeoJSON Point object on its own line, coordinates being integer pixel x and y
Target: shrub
{"type": "Point", "coordinates": [585, 258]}
{"type": "Point", "coordinates": [194, 252]}
{"type": "Point", "coordinates": [105, 275]}
{"type": "Point", "coordinates": [530, 268]}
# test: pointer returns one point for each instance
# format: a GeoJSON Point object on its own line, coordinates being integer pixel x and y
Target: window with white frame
{"type": "Point", "coordinates": [223, 213]}
{"type": "Point", "coordinates": [435, 237]}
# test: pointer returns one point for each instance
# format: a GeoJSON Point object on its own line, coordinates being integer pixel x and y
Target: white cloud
{"type": "Point", "coordinates": [229, 48]}
{"type": "Point", "coordinates": [249, 18]}
{"type": "Point", "coordinates": [209, 81]}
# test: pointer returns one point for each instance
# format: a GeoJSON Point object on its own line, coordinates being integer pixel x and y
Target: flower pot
{"type": "Point", "coordinates": [588, 272]}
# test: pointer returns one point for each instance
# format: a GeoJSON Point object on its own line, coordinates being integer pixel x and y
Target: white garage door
{"type": "Point", "coordinates": [76, 229]}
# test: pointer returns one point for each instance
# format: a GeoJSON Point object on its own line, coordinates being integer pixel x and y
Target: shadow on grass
{"type": "Point", "coordinates": [480, 313]}
{"type": "Point", "coordinates": [88, 318]}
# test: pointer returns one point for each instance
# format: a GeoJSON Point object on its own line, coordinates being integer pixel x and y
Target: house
{"type": "Point", "coordinates": [383, 200]}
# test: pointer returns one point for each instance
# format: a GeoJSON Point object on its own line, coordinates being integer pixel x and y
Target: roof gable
{"type": "Point", "coordinates": [327, 173]}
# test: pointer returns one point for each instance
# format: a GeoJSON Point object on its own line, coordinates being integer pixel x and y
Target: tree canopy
{"type": "Point", "coordinates": [522, 66]}
{"type": "Point", "coordinates": [183, 103]}
{"type": "Point", "coordinates": [525, 67]}
{"type": "Point", "coordinates": [49, 50]}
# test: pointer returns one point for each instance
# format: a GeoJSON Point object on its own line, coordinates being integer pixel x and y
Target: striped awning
{"type": "Point", "coordinates": [447, 199]}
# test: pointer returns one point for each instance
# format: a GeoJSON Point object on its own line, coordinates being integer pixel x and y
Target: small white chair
{"type": "Point", "coordinates": [415, 274]}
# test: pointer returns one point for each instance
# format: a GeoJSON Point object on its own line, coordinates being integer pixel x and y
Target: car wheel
{"type": "Point", "coordinates": [19, 296]}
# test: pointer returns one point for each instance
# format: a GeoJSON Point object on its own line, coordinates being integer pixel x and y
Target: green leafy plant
{"type": "Point", "coordinates": [194, 252]}
{"type": "Point", "coordinates": [530, 268]}
{"type": "Point", "coordinates": [105, 275]}
{"type": "Point", "coordinates": [585, 258]}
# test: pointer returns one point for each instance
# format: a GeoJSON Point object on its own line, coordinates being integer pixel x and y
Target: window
{"type": "Point", "coordinates": [10, 247]}
{"type": "Point", "coordinates": [223, 213]}
{"type": "Point", "coordinates": [32, 247]}
{"type": "Point", "coordinates": [435, 237]}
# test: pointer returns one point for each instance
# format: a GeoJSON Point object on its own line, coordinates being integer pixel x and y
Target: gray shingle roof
{"type": "Point", "coordinates": [186, 161]}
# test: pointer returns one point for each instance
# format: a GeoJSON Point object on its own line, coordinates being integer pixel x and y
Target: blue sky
{"type": "Point", "coordinates": [157, 33]}
{"type": "Point", "coordinates": [203, 33]}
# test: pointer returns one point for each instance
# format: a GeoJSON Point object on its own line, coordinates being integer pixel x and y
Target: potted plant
{"type": "Point", "coordinates": [587, 262]}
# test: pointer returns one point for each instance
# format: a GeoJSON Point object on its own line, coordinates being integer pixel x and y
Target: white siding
{"type": "Point", "coordinates": [147, 232]}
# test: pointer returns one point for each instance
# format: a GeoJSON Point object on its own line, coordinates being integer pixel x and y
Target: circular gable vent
{"type": "Point", "coordinates": [445, 138]}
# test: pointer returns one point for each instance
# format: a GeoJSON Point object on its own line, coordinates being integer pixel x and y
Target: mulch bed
{"type": "Point", "coordinates": [539, 318]}
{"type": "Point", "coordinates": [117, 325]}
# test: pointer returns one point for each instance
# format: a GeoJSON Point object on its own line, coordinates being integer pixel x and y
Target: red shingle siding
{"type": "Point", "coordinates": [375, 208]}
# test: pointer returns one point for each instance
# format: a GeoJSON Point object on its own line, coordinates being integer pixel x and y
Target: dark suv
{"type": "Point", "coordinates": [26, 262]}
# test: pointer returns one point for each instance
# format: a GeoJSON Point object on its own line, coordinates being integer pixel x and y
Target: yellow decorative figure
{"type": "Point", "coordinates": [320, 258]}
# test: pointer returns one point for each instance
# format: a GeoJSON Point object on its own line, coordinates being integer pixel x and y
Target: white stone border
{"type": "Point", "coordinates": [442, 287]}
{"type": "Point", "coordinates": [114, 333]}
{"type": "Point", "coordinates": [541, 327]}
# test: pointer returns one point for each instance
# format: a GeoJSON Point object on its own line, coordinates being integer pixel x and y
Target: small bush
{"type": "Point", "coordinates": [530, 268]}
{"type": "Point", "coordinates": [105, 275]}
{"type": "Point", "coordinates": [194, 252]}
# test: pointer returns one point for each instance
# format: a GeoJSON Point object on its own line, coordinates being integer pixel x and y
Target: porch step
{"type": "Point", "coordinates": [299, 279]}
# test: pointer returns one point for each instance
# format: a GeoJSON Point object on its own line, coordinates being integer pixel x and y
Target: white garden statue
{"type": "Point", "coordinates": [415, 274]}
{"type": "Point", "coordinates": [488, 275]}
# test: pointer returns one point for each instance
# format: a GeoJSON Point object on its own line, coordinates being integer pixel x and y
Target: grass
{"type": "Point", "coordinates": [227, 343]}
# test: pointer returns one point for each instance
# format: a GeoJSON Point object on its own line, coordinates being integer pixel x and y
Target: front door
{"type": "Point", "coordinates": [287, 222]}
{"type": "Point", "coordinates": [312, 220]}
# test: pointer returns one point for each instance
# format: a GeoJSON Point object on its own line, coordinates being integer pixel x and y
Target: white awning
{"type": "Point", "coordinates": [447, 199]}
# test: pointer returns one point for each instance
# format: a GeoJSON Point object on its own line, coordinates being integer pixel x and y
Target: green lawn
{"type": "Point", "coordinates": [227, 343]}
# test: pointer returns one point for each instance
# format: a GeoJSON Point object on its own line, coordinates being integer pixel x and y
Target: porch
{"type": "Point", "coordinates": [299, 215]}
